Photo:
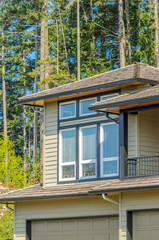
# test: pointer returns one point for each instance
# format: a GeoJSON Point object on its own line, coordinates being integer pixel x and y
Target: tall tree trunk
{"type": "Point", "coordinates": [4, 101]}
{"type": "Point", "coordinates": [121, 35]}
{"type": "Point", "coordinates": [35, 143]}
{"type": "Point", "coordinates": [64, 40]}
{"type": "Point", "coordinates": [57, 30]}
{"type": "Point", "coordinates": [78, 42]}
{"type": "Point", "coordinates": [91, 6]}
{"type": "Point", "coordinates": [24, 125]}
{"type": "Point", "coordinates": [156, 33]}
{"type": "Point", "coordinates": [128, 29]}
{"type": "Point", "coordinates": [29, 143]}
{"type": "Point", "coordinates": [44, 68]}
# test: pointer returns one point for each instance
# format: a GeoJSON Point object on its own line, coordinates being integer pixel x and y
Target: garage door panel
{"type": "Point", "coordinates": [69, 226]}
{"type": "Point", "coordinates": [101, 224]}
{"type": "Point", "coordinates": [79, 229]}
{"type": "Point", "coordinates": [54, 227]}
{"type": "Point", "coordinates": [154, 234]}
{"type": "Point", "coordinates": [101, 236]}
{"type": "Point", "coordinates": [146, 225]}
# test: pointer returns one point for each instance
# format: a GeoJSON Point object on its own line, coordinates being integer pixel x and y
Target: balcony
{"type": "Point", "coordinates": [142, 166]}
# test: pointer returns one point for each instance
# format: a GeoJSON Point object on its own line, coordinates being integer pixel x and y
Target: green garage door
{"type": "Point", "coordinates": [146, 225]}
{"type": "Point", "coordinates": [81, 229]}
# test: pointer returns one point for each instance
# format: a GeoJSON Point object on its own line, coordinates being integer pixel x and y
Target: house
{"type": "Point", "coordinates": [101, 160]}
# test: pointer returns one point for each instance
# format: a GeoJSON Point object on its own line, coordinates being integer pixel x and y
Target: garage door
{"type": "Point", "coordinates": [146, 225]}
{"type": "Point", "coordinates": [81, 229]}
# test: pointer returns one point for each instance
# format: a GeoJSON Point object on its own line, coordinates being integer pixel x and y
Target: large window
{"type": "Point", "coordinates": [85, 104]}
{"type": "Point", "coordinates": [109, 150]}
{"type": "Point", "coordinates": [88, 141]}
{"type": "Point", "coordinates": [67, 110]}
{"type": "Point", "coordinates": [67, 154]}
{"type": "Point", "coordinates": [88, 152]}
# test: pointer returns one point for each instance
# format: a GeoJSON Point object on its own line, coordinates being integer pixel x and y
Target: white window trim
{"type": "Point", "coordinates": [84, 100]}
{"type": "Point", "coordinates": [102, 160]}
{"type": "Point", "coordinates": [60, 158]}
{"type": "Point", "coordinates": [66, 103]}
{"type": "Point", "coordinates": [86, 161]}
{"type": "Point", "coordinates": [108, 95]}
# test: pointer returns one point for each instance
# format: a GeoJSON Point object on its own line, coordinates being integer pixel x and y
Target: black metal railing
{"type": "Point", "coordinates": [142, 166]}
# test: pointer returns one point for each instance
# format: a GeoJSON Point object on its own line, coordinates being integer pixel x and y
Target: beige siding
{"type": "Point", "coordinates": [50, 145]}
{"type": "Point", "coordinates": [79, 207]}
{"type": "Point", "coordinates": [132, 135]}
{"type": "Point", "coordinates": [149, 132]}
{"type": "Point", "coordinates": [134, 201]}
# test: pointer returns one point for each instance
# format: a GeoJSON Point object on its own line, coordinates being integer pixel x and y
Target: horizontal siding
{"type": "Point", "coordinates": [136, 200]}
{"type": "Point", "coordinates": [132, 135]}
{"type": "Point", "coordinates": [149, 132]}
{"type": "Point", "coordinates": [90, 206]}
{"type": "Point", "coordinates": [50, 145]}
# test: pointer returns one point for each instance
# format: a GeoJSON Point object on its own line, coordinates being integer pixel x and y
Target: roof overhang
{"type": "Point", "coordinates": [40, 100]}
{"type": "Point", "coordinates": [128, 102]}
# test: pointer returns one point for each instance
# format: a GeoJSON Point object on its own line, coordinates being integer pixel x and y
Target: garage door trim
{"type": "Point", "coordinates": [130, 220]}
{"type": "Point", "coordinates": [29, 221]}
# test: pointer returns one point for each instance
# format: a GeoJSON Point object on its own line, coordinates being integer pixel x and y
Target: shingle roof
{"type": "Point", "coordinates": [150, 94]}
{"type": "Point", "coordinates": [37, 192]}
{"type": "Point", "coordinates": [139, 72]}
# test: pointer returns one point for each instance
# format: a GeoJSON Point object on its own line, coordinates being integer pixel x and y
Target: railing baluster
{"type": "Point", "coordinates": [143, 166]}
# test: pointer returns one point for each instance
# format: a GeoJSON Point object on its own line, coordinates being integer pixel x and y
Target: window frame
{"type": "Point", "coordinates": [67, 103]}
{"type": "Point", "coordinates": [110, 159]}
{"type": "Point", "coordinates": [61, 164]}
{"type": "Point", "coordinates": [80, 107]}
{"type": "Point", "coordinates": [86, 161]}
{"type": "Point", "coordinates": [108, 95]}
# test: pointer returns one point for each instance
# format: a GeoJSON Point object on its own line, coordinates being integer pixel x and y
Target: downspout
{"type": "Point", "coordinates": [104, 196]}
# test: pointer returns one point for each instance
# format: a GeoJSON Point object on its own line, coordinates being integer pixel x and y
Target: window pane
{"type": "Point", "coordinates": [110, 141]}
{"type": "Point", "coordinates": [68, 110]}
{"type": "Point", "coordinates": [108, 97]}
{"type": "Point", "coordinates": [89, 143]}
{"type": "Point", "coordinates": [68, 146]}
{"type": "Point", "coordinates": [110, 167]}
{"type": "Point", "coordinates": [85, 105]}
{"type": "Point", "coordinates": [68, 171]}
{"type": "Point", "coordinates": [88, 170]}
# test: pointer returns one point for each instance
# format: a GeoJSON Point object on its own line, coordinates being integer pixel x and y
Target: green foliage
{"type": "Point", "coordinates": [12, 171]}
{"type": "Point", "coordinates": [7, 225]}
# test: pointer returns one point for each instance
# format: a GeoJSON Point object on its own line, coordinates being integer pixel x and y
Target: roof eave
{"type": "Point", "coordinates": [118, 84]}
{"type": "Point", "coordinates": [126, 103]}
{"type": "Point", "coordinates": [51, 197]}
{"type": "Point", "coordinates": [119, 190]}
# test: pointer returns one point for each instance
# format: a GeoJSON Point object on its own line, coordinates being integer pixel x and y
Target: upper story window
{"type": "Point", "coordinates": [109, 150]}
{"type": "Point", "coordinates": [67, 154]}
{"type": "Point", "coordinates": [68, 110]}
{"type": "Point", "coordinates": [88, 151]}
{"type": "Point", "coordinates": [88, 144]}
{"type": "Point", "coordinates": [105, 97]}
{"type": "Point", "coordinates": [85, 104]}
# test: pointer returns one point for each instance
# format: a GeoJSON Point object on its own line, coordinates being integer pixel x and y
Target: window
{"type": "Point", "coordinates": [88, 152]}
{"type": "Point", "coordinates": [67, 154]}
{"type": "Point", "coordinates": [108, 96]}
{"type": "Point", "coordinates": [85, 104]}
{"type": "Point", "coordinates": [109, 150]}
{"type": "Point", "coordinates": [67, 110]}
